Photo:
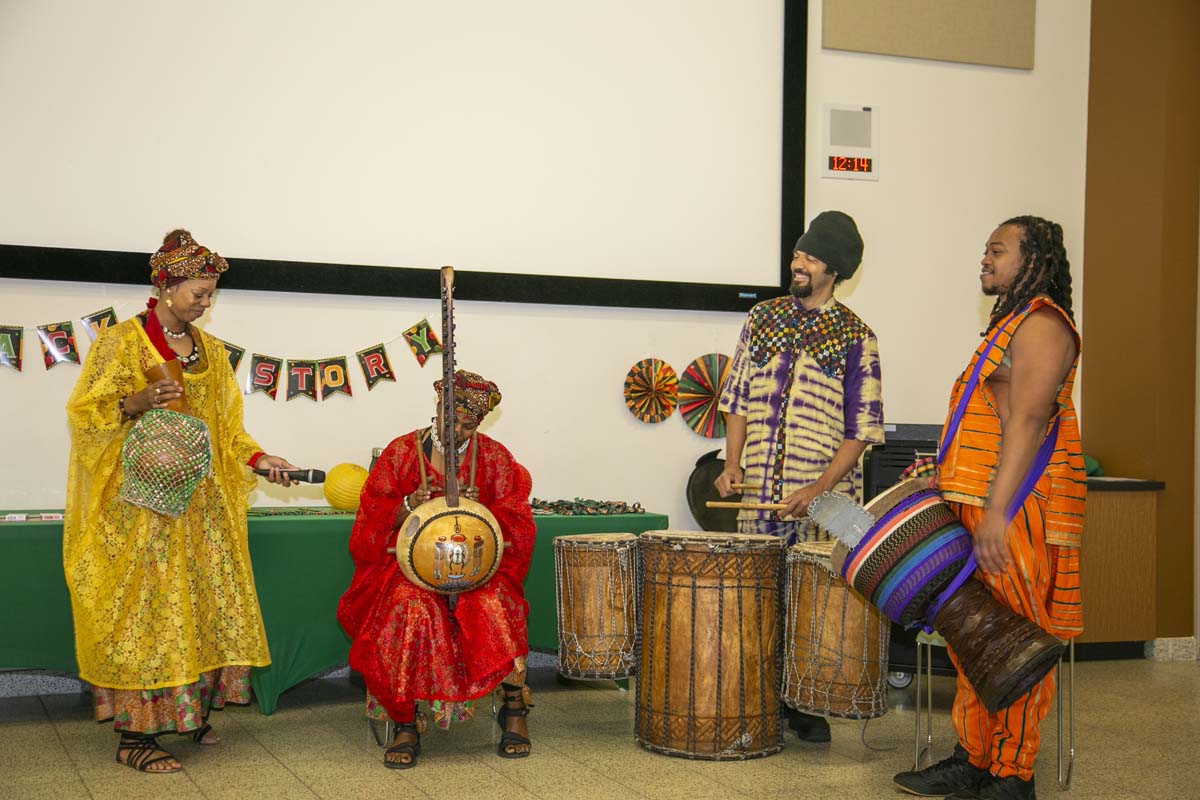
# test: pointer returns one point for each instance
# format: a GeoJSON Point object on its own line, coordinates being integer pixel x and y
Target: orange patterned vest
{"type": "Point", "coordinates": [969, 463]}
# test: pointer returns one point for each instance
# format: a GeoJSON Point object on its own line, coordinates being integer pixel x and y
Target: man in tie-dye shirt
{"type": "Point", "coordinates": [803, 397]}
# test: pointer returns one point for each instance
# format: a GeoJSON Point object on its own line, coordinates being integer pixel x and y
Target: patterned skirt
{"type": "Point", "coordinates": [445, 712]}
{"type": "Point", "coordinates": [173, 709]}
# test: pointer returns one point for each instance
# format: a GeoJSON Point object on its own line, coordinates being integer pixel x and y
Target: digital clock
{"type": "Point", "coordinates": [850, 147]}
{"type": "Point", "coordinates": [850, 164]}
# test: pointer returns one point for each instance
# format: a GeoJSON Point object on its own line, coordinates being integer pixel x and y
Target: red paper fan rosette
{"type": "Point", "coordinates": [651, 387]}
{"type": "Point", "coordinates": [699, 392]}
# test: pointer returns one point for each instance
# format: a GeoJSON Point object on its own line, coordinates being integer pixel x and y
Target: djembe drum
{"type": "Point", "coordinates": [595, 577]}
{"type": "Point", "coordinates": [835, 642]}
{"type": "Point", "coordinates": [910, 556]}
{"type": "Point", "coordinates": [166, 453]}
{"type": "Point", "coordinates": [708, 667]}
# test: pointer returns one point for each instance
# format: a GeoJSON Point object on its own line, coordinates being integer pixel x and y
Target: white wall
{"type": "Point", "coordinates": [963, 148]}
{"type": "Point", "coordinates": [561, 371]}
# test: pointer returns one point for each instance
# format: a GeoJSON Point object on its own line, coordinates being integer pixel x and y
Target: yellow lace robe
{"type": "Point", "coordinates": [157, 601]}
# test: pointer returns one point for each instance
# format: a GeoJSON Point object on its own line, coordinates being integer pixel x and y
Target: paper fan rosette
{"type": "Point", "coordinates": [651, 387]}
{"type": "Point", "coordinates": [699, 393]}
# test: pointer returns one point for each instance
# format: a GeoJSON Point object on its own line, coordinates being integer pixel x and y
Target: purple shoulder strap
{"type": "Point", "coordinates": [965, 397]}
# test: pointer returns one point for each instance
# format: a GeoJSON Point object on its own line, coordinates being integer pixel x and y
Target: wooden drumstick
{"type": "Point", "coordinates": [742, 486]}
{"type": "Point", "coordinates": [746, 504]}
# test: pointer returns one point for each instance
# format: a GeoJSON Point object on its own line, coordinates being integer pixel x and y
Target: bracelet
{"type": "Point", "coordinates": [125, 415]}
{"type": "Point", "coordinates": [409, 508]}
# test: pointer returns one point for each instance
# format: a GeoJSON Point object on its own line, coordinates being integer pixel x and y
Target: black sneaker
{"type": "Point", "coordinates": [949, 775]}
{"type": "Point", "coordinates": [993, 788]}
{"type": "Point", "coordinates": [808, 727]}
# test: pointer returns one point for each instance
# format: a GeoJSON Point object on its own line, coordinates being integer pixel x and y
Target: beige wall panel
{"type": "Point", "coordinates": [993, 32]}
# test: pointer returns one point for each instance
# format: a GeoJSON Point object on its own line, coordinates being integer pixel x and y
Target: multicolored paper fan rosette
{"type": "Point", "coordinates": [699, 393]}
{"type": "Point", "coordinates": [651, 387]}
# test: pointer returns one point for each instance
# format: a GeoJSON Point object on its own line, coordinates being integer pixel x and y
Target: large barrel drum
{"type": "Point", "coordinates": [709, 668]}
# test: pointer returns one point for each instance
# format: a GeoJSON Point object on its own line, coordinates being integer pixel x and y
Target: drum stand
{"type": "Point", "coordinates": [389, 732]}
{"type": "Point", "coordinates": [926, 643]}
{"type": "Point", "coordinates": [1064, 783]}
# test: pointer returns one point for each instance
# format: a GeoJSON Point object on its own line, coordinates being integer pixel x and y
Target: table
{"type": "Point", "coordinates": [301, 567]}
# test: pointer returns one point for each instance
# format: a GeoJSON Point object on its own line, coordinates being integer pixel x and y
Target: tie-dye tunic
{"type": "Point", "coordinates": [805, 380]}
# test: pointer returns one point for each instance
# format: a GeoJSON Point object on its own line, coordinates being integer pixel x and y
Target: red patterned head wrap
{"type": "Point", "coordinates": [181, 258]}
{"type": "Point", "coordinates": [474, 395]}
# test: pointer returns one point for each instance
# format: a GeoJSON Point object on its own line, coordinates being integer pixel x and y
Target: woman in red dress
{"type": "Point", "coordinates": [407, 643]}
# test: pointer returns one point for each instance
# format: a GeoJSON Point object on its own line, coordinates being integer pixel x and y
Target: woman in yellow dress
{"type": "Point", "coordinates": [167, 624]}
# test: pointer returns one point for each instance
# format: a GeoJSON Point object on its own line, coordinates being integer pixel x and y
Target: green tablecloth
{"type": "Point", "coordinates": [539, 583]}
{"type": "Point", "coordinates": [301, 568]}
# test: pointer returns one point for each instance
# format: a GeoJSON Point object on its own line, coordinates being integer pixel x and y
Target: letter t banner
{"type": "Point", "coordinates": [302, 379]}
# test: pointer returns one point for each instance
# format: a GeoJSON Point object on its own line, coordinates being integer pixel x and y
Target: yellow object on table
{"type": "Point", "coordinates": [343, 485]}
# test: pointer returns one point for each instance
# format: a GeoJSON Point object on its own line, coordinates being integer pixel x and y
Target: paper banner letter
{"type": "Point", "coordinates": [235, 354]}
{"type": "Point", "coordinates": [422, 341]}
{"type": "Point", "coordinates": [58, 343]}
{"type": "Point", "coordinates": [10, 346]}
{"type": "Point", "coordinates": [264, 375]}
{"type": "Point", "coordinates": [334, 377]}
{"type": "Point", "coordinates": [98, 321]}
{"type": "Point", "coordinates": [302, 379]}
{"type": "Point", "coordinates": [375, 365]}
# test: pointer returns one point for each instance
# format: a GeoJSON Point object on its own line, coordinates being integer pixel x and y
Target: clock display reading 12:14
{"type": "Point", "coordinates": [849, 164]}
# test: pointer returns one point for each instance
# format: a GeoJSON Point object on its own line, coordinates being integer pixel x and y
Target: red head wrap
{"type": "Point", "coordinates": [181, 258]}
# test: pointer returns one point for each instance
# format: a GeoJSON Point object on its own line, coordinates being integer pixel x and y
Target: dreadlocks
{"type": "Point", "coordinates": [1045, 269]}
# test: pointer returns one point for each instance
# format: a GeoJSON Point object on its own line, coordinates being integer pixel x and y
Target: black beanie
{"type": "Point", "coordinates": [833, 238]}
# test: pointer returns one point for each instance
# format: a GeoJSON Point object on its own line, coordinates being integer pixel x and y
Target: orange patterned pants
{"type": "Point", "coordinates": [1041, 584]}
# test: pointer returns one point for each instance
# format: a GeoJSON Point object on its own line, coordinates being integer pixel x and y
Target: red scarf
{"type": "Point", "coordinates": [154, 329]}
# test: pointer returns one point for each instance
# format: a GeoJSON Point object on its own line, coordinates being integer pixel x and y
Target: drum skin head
{"type": "Point", "coordinates": [450, 550]}
{"type": "Point", "coordinates": [886, 501]}
{"type": "Point", "coordinates": [709, 539]}
{"type": "Point", "coordinates": [588, 539]}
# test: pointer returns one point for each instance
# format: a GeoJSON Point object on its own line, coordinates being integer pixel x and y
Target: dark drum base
{"type": "Point", "coordinates": [1002, 654]}
{"type": "Point", "coordinates": [703, 756]}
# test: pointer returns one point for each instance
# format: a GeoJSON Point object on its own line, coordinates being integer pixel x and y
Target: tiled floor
{"type": "Point", "coordinates": [1137, 731]}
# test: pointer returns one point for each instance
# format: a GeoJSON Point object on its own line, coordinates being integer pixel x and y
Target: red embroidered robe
{"type": "Point", "coordinates": [405, 641]}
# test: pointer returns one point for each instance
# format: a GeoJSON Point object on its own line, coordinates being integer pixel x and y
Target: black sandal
{"type": "Point", "coordinates": [410, 749]}
{"type": "Point", "coordinates": [198, 735]}
{"type": "Point", "coordinates": [141, 756]}
{"type": "Point", "coordinates": [507, 737]}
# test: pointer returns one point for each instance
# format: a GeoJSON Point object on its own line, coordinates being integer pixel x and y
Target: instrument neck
{"type": "Point", "coordinates": [449, 413]}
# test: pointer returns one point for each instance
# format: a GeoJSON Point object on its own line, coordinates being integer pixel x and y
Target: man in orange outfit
{"type": "Point", "coordinates": [1027, 550]}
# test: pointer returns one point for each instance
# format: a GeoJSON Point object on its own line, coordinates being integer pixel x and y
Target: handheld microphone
{"type": "Point", "coordinates": [305, 475]}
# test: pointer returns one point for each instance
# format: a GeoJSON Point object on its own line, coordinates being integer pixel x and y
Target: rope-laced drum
{"type": "Point", "coordinates": [835, 643]}
{"type": "Point", "coordinates": [709, 664]}
{"type": "Point", "coordinates": [596, 592]}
